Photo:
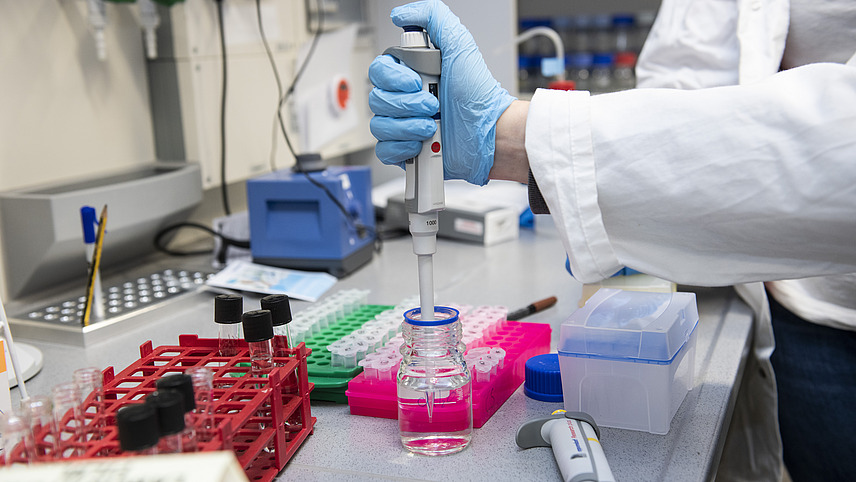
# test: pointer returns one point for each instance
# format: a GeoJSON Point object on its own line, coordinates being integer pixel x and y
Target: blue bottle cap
{"type": "Point", "coordinates": [601, 60]}
{"type": "Point", "coordinates": [543, 378]}
{"type": "Point", "coordinates": [623, 20]}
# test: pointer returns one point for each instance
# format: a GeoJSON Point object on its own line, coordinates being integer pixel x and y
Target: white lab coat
{"type": "Point", "coordinates": [716, 186]}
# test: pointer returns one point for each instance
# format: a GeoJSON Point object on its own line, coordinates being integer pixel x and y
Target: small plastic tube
{"type": "Point", "coordinates": [483, 371]}
{"type": "Point", "coordinates": [492, 361]}
{"type": "Point", "coordinates": [387, 369]}
{"type": "Point", "coordinates": [479, 351]}
{"type": "Point", "coordinates": [298, 334]}
{"type": "Point", "coordinates": [499, 354]}
{"type": "Point", "coordinates": [347, 357]}
{"type": "Point", "coordinates": [369, 369]}
{"type": "Point", "coordinates": [336, 345]}
{"type": "Point", "coordinates": [67, 420]}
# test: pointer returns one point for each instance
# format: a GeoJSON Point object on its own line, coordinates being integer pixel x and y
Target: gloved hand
{"type": "Point", "coordinates": [471, 100]}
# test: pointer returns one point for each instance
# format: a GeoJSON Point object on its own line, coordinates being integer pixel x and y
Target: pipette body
{"type": "Point", "coordinates": [423, 194]}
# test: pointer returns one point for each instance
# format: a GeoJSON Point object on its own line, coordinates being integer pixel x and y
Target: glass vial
{"type": "Point", "coordinates": [435, 412]}
{"type": "Point", "coordinates": [280, 310]}
{"type": "Point", "coordinates": [16, 437]}
{"type": "Point", "coordinates": [258, 331]}
{"type": "Point", "coordinates": [227, 315]}
{"type": "Point", "coordinates": [67, 420]}
{"type": "Point", "coordinates": [601, 74]}
{"type": "Point", "coordinates": [203, 387]}
{"type": "Point", "coordinates": [169, 405]}
{"type": "Point", "coordinates": [39, 414]}
{"type": "Point", "coordinates": [183, 384]}
{"type": "Point", "coordinates": [88, 380]}
{"type": "Point", "coordinates": [624, 74]}
{"type": "Point", "coordinates": [138, 429]}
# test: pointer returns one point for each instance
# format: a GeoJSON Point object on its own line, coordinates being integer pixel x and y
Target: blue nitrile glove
{"type": "Point", "coordinates": [402, 111]}
{"type": "Point", "coordinates": [471, 100]}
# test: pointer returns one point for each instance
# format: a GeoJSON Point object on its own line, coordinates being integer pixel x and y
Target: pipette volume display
{"type": "Point", "coordinates": [423, 194]}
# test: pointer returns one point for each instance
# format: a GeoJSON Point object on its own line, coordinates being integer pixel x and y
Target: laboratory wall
{"type": "Point", "coordinates": [187, 84]}
{"type": "Point", "coordinates": [494, 31]}
{"type": "Point", "coordinates": [65, 114]}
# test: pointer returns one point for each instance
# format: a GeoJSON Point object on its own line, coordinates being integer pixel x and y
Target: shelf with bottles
{"type": "Point", "coordinates": [600, 51]}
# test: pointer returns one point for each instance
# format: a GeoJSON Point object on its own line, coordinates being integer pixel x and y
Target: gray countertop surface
{"type": "Point", "coordinates": [346, 447]}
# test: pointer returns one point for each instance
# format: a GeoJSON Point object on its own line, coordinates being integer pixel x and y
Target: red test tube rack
{"type": "Point", "coordinates": [263, 420]}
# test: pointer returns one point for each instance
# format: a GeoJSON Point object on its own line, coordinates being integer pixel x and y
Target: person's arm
{"type": "Point", "coordinates": [510, 161]}
{"type": "Point", "coordinates": [709, 187]}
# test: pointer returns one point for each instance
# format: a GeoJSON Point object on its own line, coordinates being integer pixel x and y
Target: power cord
{"type": "Point", "coordinates": [224, 188]}
{"type": "Point", "coordinates": [226, 241]}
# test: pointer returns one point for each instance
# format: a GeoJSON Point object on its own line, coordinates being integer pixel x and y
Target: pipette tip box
{"type": "Point", "coordinates": [628, 358]}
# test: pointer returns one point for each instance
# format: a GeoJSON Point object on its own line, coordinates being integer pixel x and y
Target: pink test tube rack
{"type": "Point", "coordinates": [375, 395]}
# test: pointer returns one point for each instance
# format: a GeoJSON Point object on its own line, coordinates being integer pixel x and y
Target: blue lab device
{"type": "Point", "coordinates": [295, 224]}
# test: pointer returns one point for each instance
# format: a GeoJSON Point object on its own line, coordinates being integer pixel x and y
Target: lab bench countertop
{"type": "Point", "coordinates": [347, 447]}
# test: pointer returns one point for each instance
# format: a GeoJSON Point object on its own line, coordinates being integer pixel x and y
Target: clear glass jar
{"type": "Point", "coordinates": [435, 411]}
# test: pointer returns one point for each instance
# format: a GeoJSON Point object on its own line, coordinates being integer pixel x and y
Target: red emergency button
{"type": "Point", "coordinates": [435, 147]}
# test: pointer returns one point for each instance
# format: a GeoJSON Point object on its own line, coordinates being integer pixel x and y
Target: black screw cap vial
{"type": "Point", "coordinates": [181, 383]}
{"type": "Point", "coordinates": [228, 309]}
{"type": "Point", "coordinates": [138, 427]}
{"type": "Point", "coordinates": [258, 325]}
{"type": "Point", "coordinates": [169, 405]}
{"type": "Point", "coordinates": [279, 307]}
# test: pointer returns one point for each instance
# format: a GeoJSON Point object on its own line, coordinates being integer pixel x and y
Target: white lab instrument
{"type": "Point", "coordinates": [423, 193]}
{"type": "Point", "coordinates": [575, 439]}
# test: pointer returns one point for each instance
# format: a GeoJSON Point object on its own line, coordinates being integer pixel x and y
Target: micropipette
{"type": "Point", "coordinates": [423, 193]}
{"type": "Point", "coordinates": [575, 440]}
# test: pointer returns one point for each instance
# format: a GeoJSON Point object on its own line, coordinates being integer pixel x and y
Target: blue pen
{"type": "Point", "coordinates": [89, 220]}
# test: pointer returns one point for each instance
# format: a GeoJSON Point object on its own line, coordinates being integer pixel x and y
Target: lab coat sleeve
{"type": "Point", "coordinates": [708, 187]}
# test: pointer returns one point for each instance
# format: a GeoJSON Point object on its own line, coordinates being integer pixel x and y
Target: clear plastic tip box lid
{"type": "Point", "coordinates": [631, 326]}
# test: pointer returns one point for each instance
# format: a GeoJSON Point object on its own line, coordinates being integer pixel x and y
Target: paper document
{"type": "Point", "coordinates": [246, 276]}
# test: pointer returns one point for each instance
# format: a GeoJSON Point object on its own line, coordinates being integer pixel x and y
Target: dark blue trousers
{"type": "Point", "coordinates": [816, 376]}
